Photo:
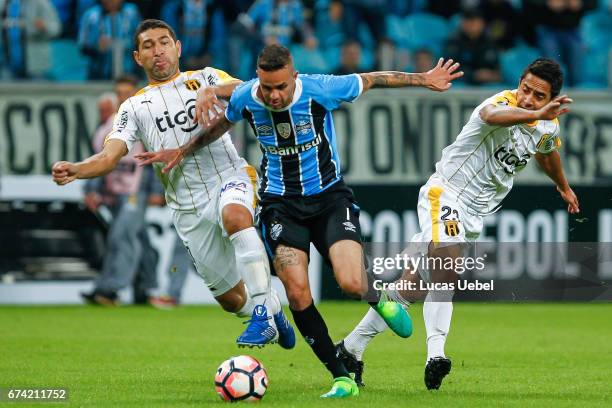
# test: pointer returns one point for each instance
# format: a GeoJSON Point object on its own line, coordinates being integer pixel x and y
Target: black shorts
{"type": "Point", "coordinates": [324, 219]}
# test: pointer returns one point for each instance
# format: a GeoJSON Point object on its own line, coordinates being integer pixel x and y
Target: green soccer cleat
{"type": "Point", "coordinates": [396, 317]}
{"type": "Point", "coordinates": [343, 387]}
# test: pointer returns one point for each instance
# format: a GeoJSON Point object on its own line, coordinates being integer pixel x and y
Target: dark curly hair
{"type": "Point", "coordinates": [548, 70]}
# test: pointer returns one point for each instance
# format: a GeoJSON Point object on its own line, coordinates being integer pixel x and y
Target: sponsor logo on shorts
{"type": "Point", "coordinates": [276, 231]}
{"type": "Point", "coordinates": [239, 200]}
{"type": "Point", "coordinates": [234, 185]}
{"type": "Point", "coordinates": [451, 228]}
{"type": "Point", "coordinates": [284, 130]}
{"type": "Point", "coordinates": [349, 226]}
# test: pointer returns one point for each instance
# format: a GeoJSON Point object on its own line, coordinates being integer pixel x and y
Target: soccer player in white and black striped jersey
{"type": "Point", "coordinates": [471, 179]}
{"type": "Point", "coordinates": [212, 194]}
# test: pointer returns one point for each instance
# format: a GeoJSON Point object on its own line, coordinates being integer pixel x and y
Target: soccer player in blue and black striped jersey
{"type": "Point", "coordinates": [304, 199]}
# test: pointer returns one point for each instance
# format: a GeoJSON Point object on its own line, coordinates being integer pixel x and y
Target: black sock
{"type": "Point", "coordinates": [311, 325]}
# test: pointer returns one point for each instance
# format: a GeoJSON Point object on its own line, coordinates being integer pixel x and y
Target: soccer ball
{"type": "Point", "coordinates": [241, 378]}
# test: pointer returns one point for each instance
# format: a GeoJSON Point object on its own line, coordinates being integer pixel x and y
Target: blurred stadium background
{"type": "Point", "coordinates": [58, 57]}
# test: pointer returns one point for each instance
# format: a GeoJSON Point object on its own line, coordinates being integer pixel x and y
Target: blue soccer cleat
{"type": "Point", "coordinates": [259, 332]}
{"type": "Point", "coordinates": [286, 335]}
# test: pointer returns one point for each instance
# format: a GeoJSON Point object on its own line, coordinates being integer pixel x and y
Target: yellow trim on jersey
{"type": "Point", "coordinates": [508, 97]}
{"type": "Point", "coordinates": [544, 139]}
{"type": "Point", "coordinates": [252, 173]}
{"type": "Point", "coordinates": [434, 195]}
{"type": "Point", "coordinates": [224, 76]}
{"type": "Point", "coordinates": [143, 90]}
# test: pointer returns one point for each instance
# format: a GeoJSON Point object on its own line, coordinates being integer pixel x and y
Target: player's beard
{"type": "Point", "coordinates": [161, 75]}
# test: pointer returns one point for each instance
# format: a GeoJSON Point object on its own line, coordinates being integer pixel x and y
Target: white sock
{"type": "Point", "coordinates": [357, 340]}
{"type": "Point", "coordinates": [437, 313]}
{"type": "Point", "coordinates": [274, 305]}
{"type": "Point", "coordinates": [247, 310]}
{"type": "Point", "coordinates": [252, 262]}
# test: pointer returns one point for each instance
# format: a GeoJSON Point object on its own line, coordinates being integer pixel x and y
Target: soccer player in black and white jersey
{"type": "Point", "coordinates": [212, 194]}
{"type": "Point", "coordinates": [471, 179]}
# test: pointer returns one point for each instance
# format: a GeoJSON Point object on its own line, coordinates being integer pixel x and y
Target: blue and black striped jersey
{"type": "Point", "coordinates": [300, 157]}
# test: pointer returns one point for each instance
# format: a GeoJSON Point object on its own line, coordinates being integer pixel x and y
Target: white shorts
{"type": "Point", "coordinates": [203, 234]}
{"type": "Point", "coordinates": [443, 219]}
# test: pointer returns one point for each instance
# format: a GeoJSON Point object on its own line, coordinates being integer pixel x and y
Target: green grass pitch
{"type": "Point", "coordinates": [503, 355]}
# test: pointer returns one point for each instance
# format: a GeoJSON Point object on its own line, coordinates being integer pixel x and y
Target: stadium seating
{"type": "Point", "coordinates": [596, 31]}
{"type": "Point", "coordinates": [309, 61]}
{"type": "Point", "coordinates": [67, 62]}
{"type": "Point", "coordinates": [513, 62]}
{"type": "Point", "coordinates": [419, 30]}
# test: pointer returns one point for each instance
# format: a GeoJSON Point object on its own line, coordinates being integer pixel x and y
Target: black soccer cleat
{"type": "Point", "coordinates": [436, 369]}
{"type": "Point", "coordinates": [351, 363]}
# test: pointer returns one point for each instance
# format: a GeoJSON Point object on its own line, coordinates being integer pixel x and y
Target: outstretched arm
{"type": "Point", "coordinates": [99, 164]}
{"type": "Point", "coordinates": [437, 79]}
{"type": "Point", "coordinates": [172, 157]}
{"type": "Point", "coordinates": [551, 164]}
{"type": "Point", "coordinates": [496, 115]}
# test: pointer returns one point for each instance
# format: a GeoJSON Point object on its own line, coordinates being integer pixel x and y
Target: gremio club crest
{"type": "Point", "coordinates": [284, 129]}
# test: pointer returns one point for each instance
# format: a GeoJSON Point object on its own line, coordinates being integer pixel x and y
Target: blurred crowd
{"type": "Point", "coordinates": [68, 40]}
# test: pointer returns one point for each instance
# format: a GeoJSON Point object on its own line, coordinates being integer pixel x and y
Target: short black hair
{"type": "Point", "coordinates": [548, 70]}
{"type": "Point", "coordinates": [150, 24]}
{"type": "Point", "coordinates": [273, 57]}
{"type": "Point", "coordinates": [127, 79]}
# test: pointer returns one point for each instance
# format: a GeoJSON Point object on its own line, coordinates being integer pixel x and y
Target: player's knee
{"type": "Point", "coordinates": [299, 297]}
{"type": "Point", "coordinates": [236, 218]}
{"type": "Point", "coordinates": [351, 285]}
{"type": "Point", "coordinates": [349, 280]}
{"type": "Point", "coordinates": [232, 304]}
{"type": "Point", "coordinates": [233, 300]}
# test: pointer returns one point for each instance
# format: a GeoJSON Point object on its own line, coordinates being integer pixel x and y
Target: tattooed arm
{"type": "Point", "coordinates": [206, 137]}
{"type": "Point", "coordinates": [437, 79]}
{"type": "Point", "coordinates": [172, 157]}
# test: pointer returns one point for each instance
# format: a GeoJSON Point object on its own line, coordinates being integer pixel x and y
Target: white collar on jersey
{"type": "Point", "coordinates": [296, 96]}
